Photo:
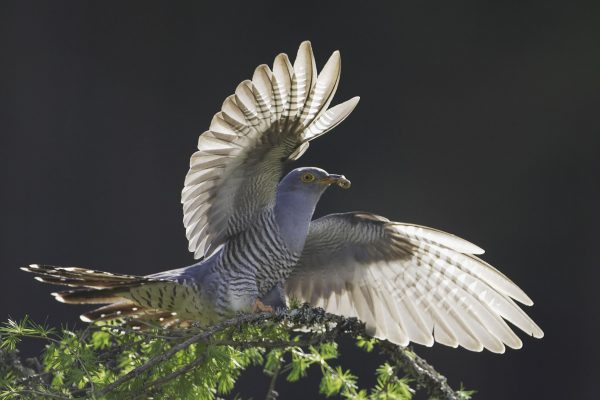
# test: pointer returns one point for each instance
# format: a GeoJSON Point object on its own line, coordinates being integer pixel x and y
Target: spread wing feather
{"type": "Point", "coordinates": [267, 121]}
{"type": "Point", "coordinates": [409, 283]}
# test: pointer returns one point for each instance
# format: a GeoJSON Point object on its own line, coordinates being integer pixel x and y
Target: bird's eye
{"type": "Point", "coordinates": [306, 178]}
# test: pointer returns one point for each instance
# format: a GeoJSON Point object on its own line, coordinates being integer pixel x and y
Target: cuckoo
{"type": "Point", "coordinates": [258, 246]}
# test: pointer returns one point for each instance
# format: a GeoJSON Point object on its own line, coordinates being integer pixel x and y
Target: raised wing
{"type": "Point", "coordinates": [269, 120]}
{"type": "Point", "coordinates": [409, 283]}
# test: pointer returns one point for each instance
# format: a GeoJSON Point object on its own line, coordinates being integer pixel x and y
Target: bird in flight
{"type": "Point", "coordinates": [257, 244]}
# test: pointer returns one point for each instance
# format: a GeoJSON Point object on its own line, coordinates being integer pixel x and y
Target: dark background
{"type": "Point", "coordinates": [479, 119]}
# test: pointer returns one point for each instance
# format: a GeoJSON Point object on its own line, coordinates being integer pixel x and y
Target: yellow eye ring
{"type": "Point", "coordinates": [307, 178]}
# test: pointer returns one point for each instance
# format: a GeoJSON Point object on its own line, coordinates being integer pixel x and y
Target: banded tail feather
{"type": "Point", "coordinates": [79, 277]}
{"type": "Point", "coordinates": [100, 287]}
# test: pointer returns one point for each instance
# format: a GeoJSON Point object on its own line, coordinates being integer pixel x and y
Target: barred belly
{"type": "Point", "coordinates": [252, 263]}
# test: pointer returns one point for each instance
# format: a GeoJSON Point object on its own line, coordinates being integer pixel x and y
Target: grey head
{"type": "Point", "coordinates": [311, 180]}
{"type": "Point", "coordinates": [297, 196]}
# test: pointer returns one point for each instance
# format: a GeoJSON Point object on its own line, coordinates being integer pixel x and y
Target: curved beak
{"type": "Point", "coordinates": [339, 180]}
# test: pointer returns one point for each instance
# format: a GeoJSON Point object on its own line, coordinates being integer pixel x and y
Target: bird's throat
{"type": "Point", "coordinates": [293, 214]}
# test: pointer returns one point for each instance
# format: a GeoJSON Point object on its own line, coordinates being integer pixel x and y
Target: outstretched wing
{"type": "Point", "coordinates": [408, 283]}
{"type": "Point", "coordinates": [269, 120]}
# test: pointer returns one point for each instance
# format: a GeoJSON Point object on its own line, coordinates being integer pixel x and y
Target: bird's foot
{"type": "Point", "coordinates": [259, 306]}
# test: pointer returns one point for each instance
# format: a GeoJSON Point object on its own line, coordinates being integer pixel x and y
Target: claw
{"type": "Point", "coordinates": [259, 306]}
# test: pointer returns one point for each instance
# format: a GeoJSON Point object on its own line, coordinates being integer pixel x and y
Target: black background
{"type": "Point", "coordinates": [479, 118]}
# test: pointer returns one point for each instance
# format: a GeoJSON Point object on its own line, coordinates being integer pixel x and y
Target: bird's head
{"type": "Point", "coordinates": [297, 196]}
{"type": "Point", "coordinates": [312, 180]}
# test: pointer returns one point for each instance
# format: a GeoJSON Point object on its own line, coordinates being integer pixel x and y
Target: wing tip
{"type": "Point", "coordinates": [474, 249]}
{"type": "Point", "coordinates": [516, 345]}
{"type": "Point", "coordinates": [334, 59]}
{"type": "Point", "coordinates": [262, 67]}
{"type": "Point", "coordinates": [464, 246]}
{"type": "Point", "coordinates": [524, 299]}
{"type": "Point", "coordinates": [281, 58]}
{"type": "Point", "coordinates": [304, 50]}
{"type": "Point", "coordinates": [537, 333]}
{"type": "Point", "coordinates": [498, 350]}
{"type": "Point", "coordinates": [305, 43]}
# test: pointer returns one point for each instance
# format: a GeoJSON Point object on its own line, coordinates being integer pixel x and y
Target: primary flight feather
{"type": "Point", "coordinates": [258, 244]}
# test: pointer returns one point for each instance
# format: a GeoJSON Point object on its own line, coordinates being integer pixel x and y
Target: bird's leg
{"type": "Point", "coordinates": [259, 306]}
